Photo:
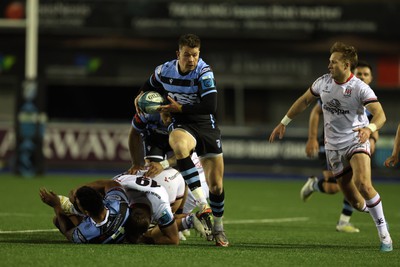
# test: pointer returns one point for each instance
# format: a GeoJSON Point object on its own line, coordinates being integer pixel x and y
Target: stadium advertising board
{"type": "Point", "coordinates": [248, 19]}
{"type": "Point", "coordinates": [99, 146]}
{"type": "Point", "coordinates": [105, 147]}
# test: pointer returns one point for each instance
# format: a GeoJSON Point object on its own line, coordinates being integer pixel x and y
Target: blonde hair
{"type": "Point", "coordinates": [348, 53]}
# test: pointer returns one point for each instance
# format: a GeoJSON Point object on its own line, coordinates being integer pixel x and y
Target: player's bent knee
{"type": "Point", "coordinates": [358, 206]}
{"type": "Point", "coordinates": [216, 189]}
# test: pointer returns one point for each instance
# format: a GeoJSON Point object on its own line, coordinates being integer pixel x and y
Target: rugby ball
{"type": "Point", "coordinates": [150, 101]}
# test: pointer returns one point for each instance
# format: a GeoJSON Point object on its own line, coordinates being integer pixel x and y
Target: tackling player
{"type": "Point", "coordinates": [149, 204]}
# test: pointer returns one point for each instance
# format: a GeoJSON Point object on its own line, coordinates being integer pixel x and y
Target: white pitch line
{"type": "Point", "coordinates": [277, 220]}
{"type": "Point", "coordinates": [28, 231]}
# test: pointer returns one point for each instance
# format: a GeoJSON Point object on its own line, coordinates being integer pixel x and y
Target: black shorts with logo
{"type": "Point", "coordinates": [208, 137]}
{"type": "Point", "coordinates": [156, 145]}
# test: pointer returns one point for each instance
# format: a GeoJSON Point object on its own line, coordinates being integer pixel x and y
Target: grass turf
{"type": "Point", "coordinates": [266, 222]}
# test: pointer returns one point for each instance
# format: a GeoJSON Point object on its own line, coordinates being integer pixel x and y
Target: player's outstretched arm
{"type": "Point", "coordinates": [135, 150]}
{"type": "Point", "coordinates": [278, 131]}
{"type": "Point", "coordinates": [298, 106]}
{"type": "Point", "coordinates": [162, 236]}
{"type": "Point", "coordinates": [102, 186]}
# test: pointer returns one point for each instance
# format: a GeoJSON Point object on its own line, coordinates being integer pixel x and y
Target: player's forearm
{"type": "Point", "coordinates": [64, 223]}
{"type": "Point", "coordinates": [378, 120]}
{"type": "Point", "coordinates": [172, 161]}
{"type": "Point", "coordinates": [208, 105]}
{"type": "Point", "coordinates": [379, 117]}
{"type": "Point", "coordinates": [374, 136]}
{"type": "Point", "coordinates": [315, 115]}
{"type": "Point", "coordinates": [313, 126]}
{"type": "Point", "coordinates": [135, 147]}
{"type": "Point", "coordinates": [102, 186]}
{"type": "Point", "coordinates": [166, 240]}
{"type": "Point", "coordinates": [299, 106]}
{"type": "Point", "coordinates": [396, 147]}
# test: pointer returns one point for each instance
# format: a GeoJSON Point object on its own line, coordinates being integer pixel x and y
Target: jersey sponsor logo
{"type": "Point", "coordinates": [334, 107]}
{"type": "Point", "coordinates": [347, 92]}
{"type": "Point", "coordinates": [165, 218]}
{"type": "Point", "coordinates": [218, 143]}
{"type": "Point", "coordinates": [174, 176]}
{"type": "Point", "coordinates": [207, 82]}
{"type": "Point", "coordinates": [148, 148]}
{"type": "Point", "coordinates": [154, 194]}
{"type": "Point", "coordinates": [184, 98]}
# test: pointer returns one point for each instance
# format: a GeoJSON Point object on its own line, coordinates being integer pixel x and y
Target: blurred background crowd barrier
{"type": "Point", "coordinates": [93, 56]}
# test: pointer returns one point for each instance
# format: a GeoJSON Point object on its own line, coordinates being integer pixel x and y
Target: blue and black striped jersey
{"type": "Point", "coordinates": [187, 89]}
{"type": "Point", "coordinates": [112, 229]}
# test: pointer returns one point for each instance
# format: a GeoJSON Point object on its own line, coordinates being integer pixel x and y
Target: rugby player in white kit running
{"type": "Point", "coordinates": [347, 132]}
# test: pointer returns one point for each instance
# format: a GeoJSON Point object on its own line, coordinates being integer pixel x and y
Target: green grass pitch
{"type": "Point", "coordinates": [265, 220]}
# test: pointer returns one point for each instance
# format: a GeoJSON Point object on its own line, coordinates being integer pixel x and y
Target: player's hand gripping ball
{"type": "Point", "coordinates": [150, 101]}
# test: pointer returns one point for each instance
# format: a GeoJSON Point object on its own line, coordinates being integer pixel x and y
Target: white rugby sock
{"type": "Point", "coordinates": [376, 210]}
{"type": "Point", "coordinates": [199, 196]}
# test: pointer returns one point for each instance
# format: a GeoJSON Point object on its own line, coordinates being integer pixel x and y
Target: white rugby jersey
{"type": "Point", "coordinates": [343, 107]}
{"type": "Point", "coordinates": [145, 190]}
{"type": "Point", "coordinates": [173, 182]}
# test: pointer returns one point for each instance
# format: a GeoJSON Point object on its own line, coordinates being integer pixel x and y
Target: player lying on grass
{"type": "Point", "coordinates": [104, 216]}
{"type": "Point", "coordinates": [142, 190]}
{"type": "Point", "coordinates": [149, 204]}
{"type": "Point", "coordinates": [173, 181]}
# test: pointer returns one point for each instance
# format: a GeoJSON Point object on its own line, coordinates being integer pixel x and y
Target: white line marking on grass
{"type": "Point", "coordinates": [277, 220]}
{"type": "Point", "coordinates": [28, 231]}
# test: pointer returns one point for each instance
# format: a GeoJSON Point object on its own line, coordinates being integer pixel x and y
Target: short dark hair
{"type": "Point", "coordinates": [137, 223]}
{"type": "Point", "coordinates": [190, 40]}
{"type": "Point", "coordinates": [90, 200]}
{"type": "Point", "coordinates": [349, 53]}
{"type": "Point", "coordinates": [364, 64]}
